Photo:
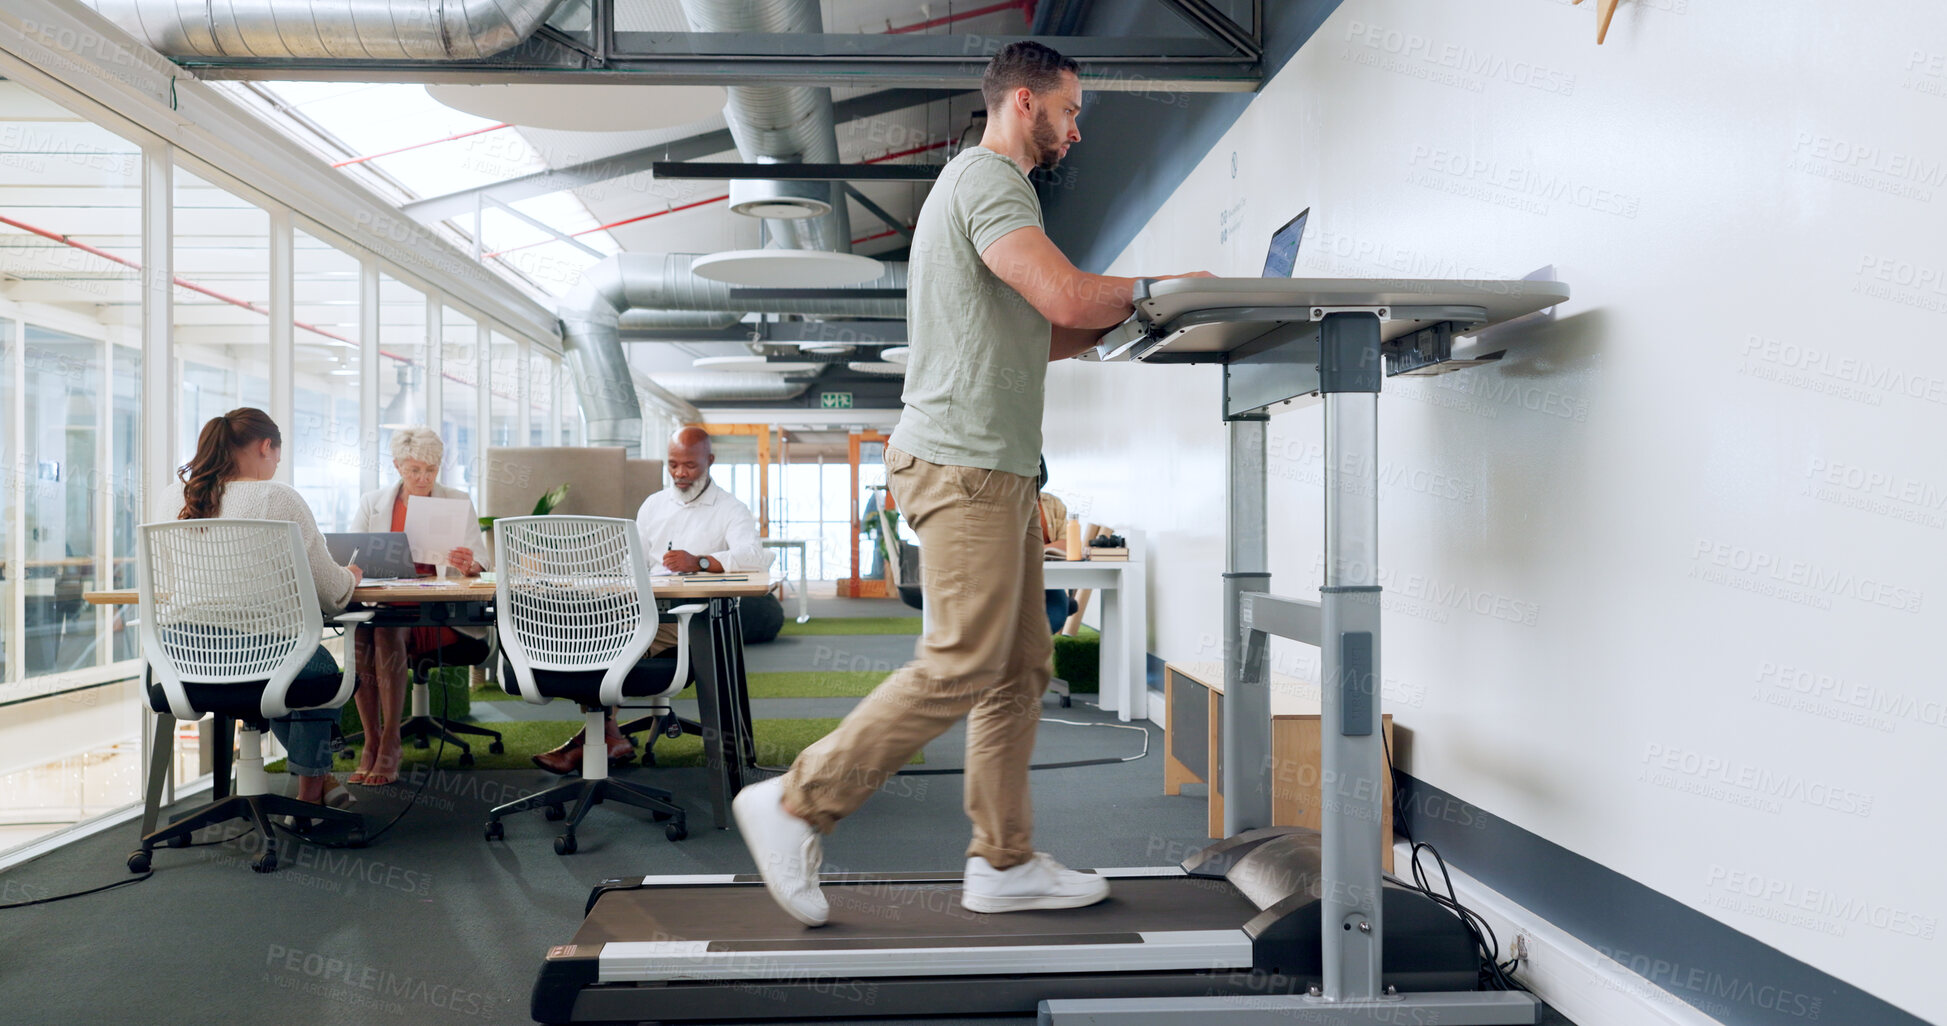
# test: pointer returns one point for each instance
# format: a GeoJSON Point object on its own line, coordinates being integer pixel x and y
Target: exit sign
{"type": "Point", "coordinates": [835, 400]}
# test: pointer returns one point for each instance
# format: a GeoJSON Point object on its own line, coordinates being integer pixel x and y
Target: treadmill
{"type": "Point", "coordinates": [1269, 925]}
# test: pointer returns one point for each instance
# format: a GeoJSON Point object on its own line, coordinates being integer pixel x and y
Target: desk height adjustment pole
{"type": "Point", "coordinates": [1247, 779]}
{"type": "Point", "coordinates": [1352, 758]}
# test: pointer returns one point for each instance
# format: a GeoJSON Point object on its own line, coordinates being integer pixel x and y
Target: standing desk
{"type": "Point", "coordinates": [1281, 342]}
{"type": "Point", "coordinates": [722, 689]}
{"type": "Point", "coordinates": [1270, 926]}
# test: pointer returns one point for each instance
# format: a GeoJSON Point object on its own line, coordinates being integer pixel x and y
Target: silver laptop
{"type": "Point", "coordinates": [380, 554]}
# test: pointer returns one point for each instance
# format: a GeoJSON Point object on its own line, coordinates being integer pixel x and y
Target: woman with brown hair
{"type": "Point", "coordinates": [230, 477]}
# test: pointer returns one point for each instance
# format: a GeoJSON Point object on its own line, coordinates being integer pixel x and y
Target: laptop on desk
{"type": "Point", "coordinates": [1280, 259]}
{"type": "Point", "coordinates": [381, 555]}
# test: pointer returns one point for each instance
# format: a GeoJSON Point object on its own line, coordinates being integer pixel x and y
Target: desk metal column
{"type": "Point", "coordinates": [1351, 757]}
{"type": "Point", "coordinates": [1247, 689]}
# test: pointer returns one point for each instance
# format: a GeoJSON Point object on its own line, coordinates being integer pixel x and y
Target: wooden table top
{"type": "Point", "coordinates": [473, 589]}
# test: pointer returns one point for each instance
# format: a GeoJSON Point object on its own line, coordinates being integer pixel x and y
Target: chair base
{"type": "Point", "coordinates": [586, 794]}
{"type": "Point", "coordinates": [659, 725]}
{"type": "Point", "coordinates": [255, 809]}
{"type": "Point", "coordinates": [420, 730]}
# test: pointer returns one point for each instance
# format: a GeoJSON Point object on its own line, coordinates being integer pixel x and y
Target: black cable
{"type": "Point", "coordinates": [1494, 973]}
{"type": "Point", "coordinates": [1399, 800]}
{"type": "Point", "coordinates": [438, 753]}
{"type": "Point", "coordinates": [76, 894]}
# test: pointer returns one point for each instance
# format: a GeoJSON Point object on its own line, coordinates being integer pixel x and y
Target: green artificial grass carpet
{"type": "Point", "coordinates": [852, 625]}
{"type": "Point", "coordinates": [778, 742]}
{"type": "Point", "coordinates": [808, 684]}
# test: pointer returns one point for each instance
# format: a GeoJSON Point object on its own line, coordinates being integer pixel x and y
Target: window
{"type": "Point", "coordinates": [460, 368]}
{"type": "Point", "coordinates": [222, 306]}
{"type": "Point", "coordinates": [325, 448]}
{"type": "Point", "coordinates": [510, 383]}
{"type": "Point", "coordinates": [70, 435]}
{"type": "Point", "coordinates": [540, 398]}
{"type": "Point", "coordinates": [402, 363]}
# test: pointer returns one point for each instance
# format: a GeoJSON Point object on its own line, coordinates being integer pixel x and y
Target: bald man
{"type": "Point", "coordinates": [693, 526]}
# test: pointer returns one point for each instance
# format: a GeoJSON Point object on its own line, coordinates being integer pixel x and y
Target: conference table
{"type": "Point", "coordinates": [722, 687]}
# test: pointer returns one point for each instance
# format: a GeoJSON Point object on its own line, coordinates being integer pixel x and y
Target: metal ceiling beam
{"type": "Point", "coordinates": [1207, 17]}
{"type": "Point", "coordinates": [696, 170]}
{"type": "Point", "coordinates": [541, 183]}
{"type": "Point", "coordinates": [861, 333]}
{"type": "Point", "coordinates": [558, 234]}
{"type": "Point", "coordinates": [879, 212]}
{"type": "Point", "coordinates": [1125, 64]}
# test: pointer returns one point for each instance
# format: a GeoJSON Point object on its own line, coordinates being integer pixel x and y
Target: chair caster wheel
{"type": "Point", "coordinates": [564, 845]}
{"type": "Point", "coordinates": [265, 863]}
{"type": "Point", "coordinates": [178, 841]}
{"type": "Point", "coordinates": [420, 742]}
{"type": "Point", "coordinates": [497, 748]}
{"type": "Point", "coordinates": [138, 862]}
{"type": "Point", "coordinates": [554, 812]}
{"type": "Point", "coordinates": [649, 757]}
{"type": "Point", "coordinates": [466, 759]}
{"type": "Point", "coordinates": [355, 839]}
{"type": "Point", "coordinates": [673, 731]}
{"type": "Point", "coordinates": [495, 831]}
{"type": "Point", "coordinates": [676, 831]}
{"type": "Point", "coordinates": [1066, 703]}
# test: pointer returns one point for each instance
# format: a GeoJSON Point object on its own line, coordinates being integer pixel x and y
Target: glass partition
{"type": "Point", "coordinates": [70, 438]}
{"type": "Point", "coordinates": [510, 385]}
{"type": "Point", "coordinates": [402, 364]}
{"type": "Point", "coordinates": [325, 449]}
{"type": "Point", "coordinates": [221, 306]}
{"type": "Point", "coordinates": [540, 398]}
{"type": "Point", "coordinates": [460, 370]}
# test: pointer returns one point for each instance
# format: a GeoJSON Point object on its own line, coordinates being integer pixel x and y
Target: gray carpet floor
{"type": "Point", "coordinates": [432, 924]}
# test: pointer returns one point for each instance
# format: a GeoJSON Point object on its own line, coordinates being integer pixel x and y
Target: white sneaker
{"type": "Point", "coordinates": [787, 850]}
{"type": "Point", "coordinates": [1040, 882]}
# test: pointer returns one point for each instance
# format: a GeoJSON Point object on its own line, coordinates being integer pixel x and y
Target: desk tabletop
{"type": "Point", "coordinates": [473, 589]}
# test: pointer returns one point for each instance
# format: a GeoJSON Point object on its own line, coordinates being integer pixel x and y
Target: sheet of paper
{"type": "Point", "coordinates": [435, 527]}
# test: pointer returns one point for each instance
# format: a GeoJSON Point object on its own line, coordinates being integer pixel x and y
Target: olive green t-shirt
{"type": "Point", "coordinates": [979, 358]}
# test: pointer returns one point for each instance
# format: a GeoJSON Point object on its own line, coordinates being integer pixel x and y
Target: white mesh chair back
{"type": "Point", "coordinates": [225, 602]}
{"type": "Point", "coordinates": [572, 594]}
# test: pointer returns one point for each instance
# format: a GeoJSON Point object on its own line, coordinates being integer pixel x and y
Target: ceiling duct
{"type": "Point", "coordinates": [651, 286]}
{"type": "Point", "coordinates": [782, 123]}
{"type": "Point", "coordinates": [416, 30]}
{"type": "Point", "coordinates": [718, 386]}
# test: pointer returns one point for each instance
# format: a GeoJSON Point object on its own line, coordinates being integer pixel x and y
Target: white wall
{"type": "Point", "coordinates": [1724, 457]}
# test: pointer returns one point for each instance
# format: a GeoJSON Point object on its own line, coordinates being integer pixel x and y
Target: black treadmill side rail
{"type": "Point", "coordinates": [1426, 947]}
{"type": "Point", "coordinates": [568, 970]}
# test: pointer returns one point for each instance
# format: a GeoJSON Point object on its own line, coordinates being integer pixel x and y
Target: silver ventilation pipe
{"type": "Point", "coordinates": [783, 123]}
{"type": "Point", "coordinates": [591, 320]}
{"type": "Point", "coordinates": [420, 30]}
{"type": "Point", "coordinates": [677, 320]}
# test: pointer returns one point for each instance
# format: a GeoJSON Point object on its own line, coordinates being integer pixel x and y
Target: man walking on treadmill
{"type": "Point", "coordinates": [990, 302]}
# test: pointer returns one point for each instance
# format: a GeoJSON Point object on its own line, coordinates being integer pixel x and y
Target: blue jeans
{"type": "Point", "coordinates": [1060, 608]}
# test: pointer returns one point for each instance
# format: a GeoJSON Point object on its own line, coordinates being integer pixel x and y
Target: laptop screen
{"type": "Point", "coordinates": [1282, 256]}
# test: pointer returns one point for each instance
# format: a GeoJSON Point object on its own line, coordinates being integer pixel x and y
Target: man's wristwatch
{"type": "Point", "coordinates": [703, 564]}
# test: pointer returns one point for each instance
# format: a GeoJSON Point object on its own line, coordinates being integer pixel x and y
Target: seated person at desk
{"type": "Point", "coordinates": [383, 652]}
{"type": "Point", "coordinates": [694, 526]}
{"type": "Point", "coordinates": [1054, 545]}
{"type": "Point", "coordinates": [230, 477]}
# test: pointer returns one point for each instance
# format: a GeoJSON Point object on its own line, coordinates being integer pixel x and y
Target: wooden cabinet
{"type": "Point", "coordinates": [1193, 724]}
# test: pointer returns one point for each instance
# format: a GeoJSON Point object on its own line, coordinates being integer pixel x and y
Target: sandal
{"type": "Point", "coordinates": [356, 777]}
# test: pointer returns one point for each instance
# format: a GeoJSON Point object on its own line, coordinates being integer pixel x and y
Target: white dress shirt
{"type": "Point", "coordinates": [715, 524]}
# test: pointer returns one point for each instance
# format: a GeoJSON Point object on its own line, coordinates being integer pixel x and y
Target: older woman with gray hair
{"type": "Point", "coordinates": [384, 653]}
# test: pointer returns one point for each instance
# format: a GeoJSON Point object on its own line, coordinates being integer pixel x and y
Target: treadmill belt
{"type": "Point", "coordinates": [744, 918]}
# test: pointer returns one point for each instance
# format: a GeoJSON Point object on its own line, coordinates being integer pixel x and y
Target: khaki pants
{"type": "Point", "coordinates": [986, 657]}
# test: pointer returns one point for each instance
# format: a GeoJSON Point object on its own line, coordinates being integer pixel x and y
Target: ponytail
{"type": "Point", "coordinates": [215, 462]}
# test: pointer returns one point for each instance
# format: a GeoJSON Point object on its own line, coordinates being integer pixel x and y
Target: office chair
{"type": "Point", "coordinates": [422, 725]}
{"type": "Point", "coordinates": [576, 614]}
{"type": "Point", "coordinates": [229, 618]}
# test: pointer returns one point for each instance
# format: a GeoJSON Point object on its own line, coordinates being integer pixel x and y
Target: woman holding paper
{"type": "Point", "coordinates": [384, 653]}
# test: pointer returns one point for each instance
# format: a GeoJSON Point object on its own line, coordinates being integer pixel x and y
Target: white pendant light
{"type": "Point", "coordinates": [787, 268]}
